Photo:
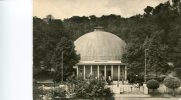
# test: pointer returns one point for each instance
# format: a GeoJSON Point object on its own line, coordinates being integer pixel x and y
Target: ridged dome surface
{"type": "Point", "coordinates": [99, 45]}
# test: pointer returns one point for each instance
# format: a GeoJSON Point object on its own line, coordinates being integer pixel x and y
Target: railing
{"type": "Point", "coordinates": [130, 89]}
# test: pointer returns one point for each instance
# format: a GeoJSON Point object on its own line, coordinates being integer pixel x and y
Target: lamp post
{"type": "Point", "coordinates": [145, 65]}
{"type": "Point", "coordinates": [54, 72]}
{"type": "Point", "coordinates": [62, 67]}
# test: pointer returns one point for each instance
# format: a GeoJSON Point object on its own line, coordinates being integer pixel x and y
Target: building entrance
{"type": "Point", "coordinates": [108, 74]}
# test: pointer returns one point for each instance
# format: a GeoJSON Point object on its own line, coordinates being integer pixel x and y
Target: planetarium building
{"type": "Point", "coordinates": [100, 55]}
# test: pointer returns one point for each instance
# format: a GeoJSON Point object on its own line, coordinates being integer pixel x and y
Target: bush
{"type": "Point", "coordinates": [97, 89]}
{"type": "Point", "coordinates": [60, 92]}
{"type": "Point", "coordinates": [80, 87]}
{"type": "Point", "coordinates": [38, 92]}
{"type": "Point", "coordinates": [152, 84]}
{"type": "Point", "coordinates": [135, 78]}
{"type": "Point", "coordinates": [91, 88]}
{"type": "Point", "coordinates": [172, 82]}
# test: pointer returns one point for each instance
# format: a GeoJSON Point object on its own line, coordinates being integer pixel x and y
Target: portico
{"type": "Point", "coordinates": [102, 70]}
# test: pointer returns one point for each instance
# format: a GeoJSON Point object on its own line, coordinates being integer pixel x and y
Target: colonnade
{"type": "Point", "coordinates": [119, 71]}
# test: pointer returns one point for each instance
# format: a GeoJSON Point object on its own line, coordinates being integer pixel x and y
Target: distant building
{"type": "Point", "coordinates": [101, 54]}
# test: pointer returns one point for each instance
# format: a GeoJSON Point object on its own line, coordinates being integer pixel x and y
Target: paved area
{"type": "Point", "coordinates": [131, 96]}
{"type": "Point", "coordinates": [128, 98]}
{"type": "Point", "coordinates": [143, 97]}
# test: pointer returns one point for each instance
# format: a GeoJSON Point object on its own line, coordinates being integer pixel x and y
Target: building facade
{"type": "Point", "coordinates": [100, 56]}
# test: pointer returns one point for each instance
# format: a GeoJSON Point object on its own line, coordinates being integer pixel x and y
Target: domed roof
{"type": "Point", "coordinates": [99, 45]}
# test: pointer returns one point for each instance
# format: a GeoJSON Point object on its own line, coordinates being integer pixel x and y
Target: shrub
{"type": "Point", "coordinates": [135, 78]}
{"type": "Point", "coordinates": [172, 82]}
{"type": "Point", "coordinates": [152, 84]}
{"type": "Point", "coordinates": [80, 87]}
{"type": "Point", "coordinates": [60, 92]}
{"type": "Point", "coordinates": [38, 92]}
{"type": "Point", "coordinates": [91, 88]}
{"type": "Point", "coordinates": [97, 89]}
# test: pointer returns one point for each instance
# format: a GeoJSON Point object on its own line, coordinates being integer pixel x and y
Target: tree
{"type": "Point", "coordinates": [148, 10]}
{"type": "Point", "coordinates": [134, 54]}
{"type": "Point", "coordinates": [175, 2]}
{"type": "Point", "coordinates": [153, 84]}
{"type": "Point", "coordinates": [172, 82]}
{"type": "Point", "coordinates": [161, 26]}
{"type": "Point", "coordinates": [70, 58]}
{"type": "Point", "coordinates": [156, 54]}
{"type": "Point", "coordinates": [45, 38]}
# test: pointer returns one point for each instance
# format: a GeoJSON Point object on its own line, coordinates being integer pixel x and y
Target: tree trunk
{"type": "Point", "coordinates": [173, 91]}
{"type": "Point", "coordinates": [154, 91]}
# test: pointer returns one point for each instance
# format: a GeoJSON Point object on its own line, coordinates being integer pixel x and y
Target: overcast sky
{"type": "Point", "coordinates": [68, 8]}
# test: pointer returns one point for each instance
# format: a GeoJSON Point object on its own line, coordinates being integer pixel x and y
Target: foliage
{"type": "Point", "coordinates": [160, 38]}
{"type": "Point", "coordinates": [91, 88]}
{"type": "Point", "coordinates": [148, 10]}
{"type": "Point", "coordinates": [178, 72]}
{"type": "Point", "coordinates": [135, 78]}
{"type": "Point", "coordinates": [39, 92]}
{"type": "Point", "coordinates": [157, 54]}
{"type": "Point", "coordinates": [64, 51]}
{"type": "Point", "coordinates": [172, 82]}
{"type": "Point", "coordinates": [49, 37]}
{"type": "Point", "coordinates": [45, 38]}
{"type": "Point", "coordinates": [60, 92]}
{"type": "Point", "coordinates": [160, 24]}
{"type": "Point", "coordinates": [153, 84]}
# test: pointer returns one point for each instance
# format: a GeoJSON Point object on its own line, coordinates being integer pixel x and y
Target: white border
{"type": "Point", "coordinates": [16, 50]}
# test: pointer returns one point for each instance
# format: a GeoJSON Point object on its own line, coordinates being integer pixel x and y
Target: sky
{"type": "Point", "coordinates": [62, 9]}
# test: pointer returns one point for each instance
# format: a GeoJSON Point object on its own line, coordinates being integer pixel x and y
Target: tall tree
{"type": "Point", "coordinates": [64, 54]}
{"type": "Point", "coordinates": [157, 54]}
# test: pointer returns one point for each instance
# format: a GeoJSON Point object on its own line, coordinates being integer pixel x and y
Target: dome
{"type": "Point", "coordinates": [99, 45]}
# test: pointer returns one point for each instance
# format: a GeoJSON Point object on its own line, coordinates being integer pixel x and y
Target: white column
{"type": "Point", "coordinates": [77, 71]}
{"type": "Point", "coordinates": [122, 74]}
{"type": "Point", "coordinates": [84, 71]}
{"type": "Point", "coordinates": [98, 71]}
{"type": "Point", "coordinates": [125, 73]}
{"type": "Point", "coordinates": [91, 69]}
{"type": "Point", "coordinates": [118, 72]}
{"type": "Point", "coordinates": [105, 71]}
{"type": "Point", "coordinates": [112, 72]}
